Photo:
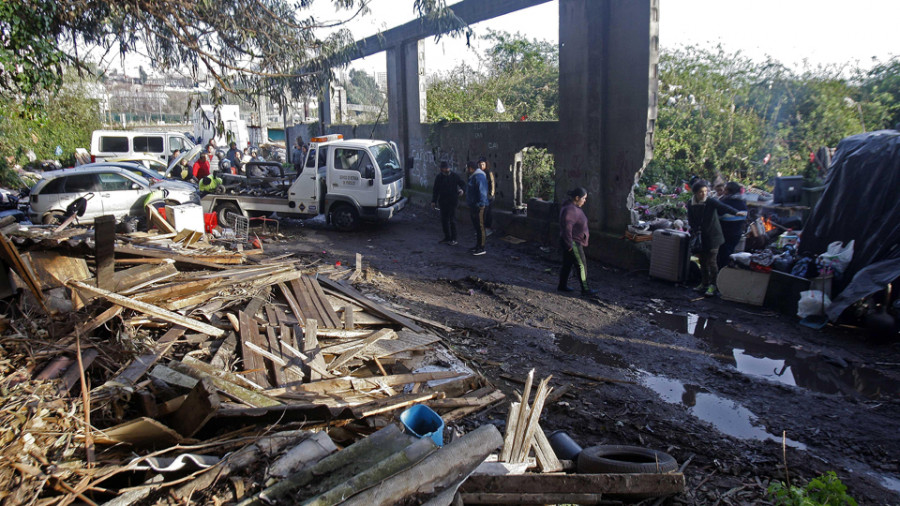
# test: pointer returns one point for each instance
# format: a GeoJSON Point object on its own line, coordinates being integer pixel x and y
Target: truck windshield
{"type": "Point", "coordinates": [387, 162]}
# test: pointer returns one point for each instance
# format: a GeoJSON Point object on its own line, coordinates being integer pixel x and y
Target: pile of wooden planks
{"type": "Point", "coordinates": [162, 348]}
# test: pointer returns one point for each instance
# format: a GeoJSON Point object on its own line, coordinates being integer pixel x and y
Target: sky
{"type": "Point", "coordinates": [799, 33]}
{"type": "Point", "coordinates": [796, 32]}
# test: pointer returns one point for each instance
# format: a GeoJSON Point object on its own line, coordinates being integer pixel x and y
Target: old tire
{"type": "Point", "coordinates": [224, 210]}
{"type": "Point", "coordinates": [53, 218]}
{"type": "Point", "coordinates": [624, 459]}
{"type": "Point", "coordinates": [344, 217]}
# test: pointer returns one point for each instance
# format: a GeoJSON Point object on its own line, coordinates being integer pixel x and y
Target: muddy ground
{"type": "Point", "coordinates": [713, 383]}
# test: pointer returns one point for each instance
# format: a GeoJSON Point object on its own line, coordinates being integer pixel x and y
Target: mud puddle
{"type": "Point", "coordinates": [754, 356]}
{"type": "Point", "coordinates": [727, 416]}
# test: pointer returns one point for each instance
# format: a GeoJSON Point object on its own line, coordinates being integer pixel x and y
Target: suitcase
{"type": "Point", "coordinates": [670, 255]}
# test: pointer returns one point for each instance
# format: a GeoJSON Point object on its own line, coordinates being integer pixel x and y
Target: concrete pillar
{"type": "Point", "coordinates": [406, 101]}
{"type": "Point", "coordinates": [607, 65]}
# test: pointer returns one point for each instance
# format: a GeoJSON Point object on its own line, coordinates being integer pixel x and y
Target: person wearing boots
{"type": "Point", "coordinates": [448, 187]}
{"type": "Point", "coordinates": [573, 238]}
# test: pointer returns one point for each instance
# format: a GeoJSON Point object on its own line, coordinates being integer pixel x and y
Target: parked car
{"type": "Point", "coordinates": [107, 144]}
{"type": "Point", "coordinates": [107, 188]}
{"type": "Point", "coordinates": [148, 161]}
{"type": "Point", "coordinates": [148, 174]}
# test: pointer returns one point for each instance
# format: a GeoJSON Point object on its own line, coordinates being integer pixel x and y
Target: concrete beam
{"type": "Point", "coordinates": [470, 11]}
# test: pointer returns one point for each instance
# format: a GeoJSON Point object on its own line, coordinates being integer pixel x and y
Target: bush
{"type": "Point", "coordinates": [824, 490]}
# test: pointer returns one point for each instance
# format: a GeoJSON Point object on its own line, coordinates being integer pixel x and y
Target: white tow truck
{"type": "Point", "coordinates": [348, 181]}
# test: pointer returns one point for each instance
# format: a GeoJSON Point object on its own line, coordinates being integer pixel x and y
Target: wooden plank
{"type": "Point", "coordinates": [172, 291]}
{"type": "Point", "coordinates": [522, 420]}
{"type": "Point", "coordinates": [546, 457]}
{"type": "Point", "coordinates": [369, 304]}
{"type": "Point", "coordinates": [223, 356]}
{"type": "Point", "coordinates": [197, 409]}
{"type": "Point", "coordinates": [256, 303]}
{"type": "Point", "coordinates": [158, 221]}
{"type": "Point", "coordinates": [253, 364]}
{"type": "Point", "coordinates": [105, 250]}
{"type": "Point", "coordinates": [350, 354]}
{"type": "Point", "coordinates": [181, 259]}
{"type": "Point", "coordinates": [622, 486]}
{"type": "Point", "coordinates": [304, 300]}
{"type": "Point", "coordinates": [338, 385]}
{"type": "Point", "coordinates": [393, 403]}
{"type": "Point", "coordinates": [348, 317]}
{"type": "Point", "coordinates": [53, 269]}
{"type": "Point", "coordinates": [275, 348]}
{"type": "Point", "coordinates": [149, 309]}
{"type": "Point", "coordinates": [292, 302]}
{"type": "Point", "coordinates": [10, 255]}
{"type": "Point", "coordinates": [227, 383]}
{"type": "Point", "coordinates": [326, 310]}
{"type": "Point", "coordinates": [310, 347]}
{"type": "Point", "coordinates": [73, 373]}
{"type": "Point", "coordinates": [142, 275]}
{"type": "Point", "coordinates": [512, 424]}
{"type": "Point", "coordinates": [534, 416]}
{"type": "Point", "coordinates": [139, 366]}
{"type": "Point", "coordinates": [483, 402]}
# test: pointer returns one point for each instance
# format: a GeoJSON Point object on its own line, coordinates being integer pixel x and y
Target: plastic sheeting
{"type": "Point", "coordinates": [860, 203]}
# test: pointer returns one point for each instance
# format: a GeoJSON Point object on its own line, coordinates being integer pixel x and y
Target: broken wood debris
{"type": "Point", "coordinates": [184, 343]}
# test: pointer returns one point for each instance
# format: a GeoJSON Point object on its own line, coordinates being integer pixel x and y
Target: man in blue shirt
{"type": "Point", "coordinates": [477, 199]}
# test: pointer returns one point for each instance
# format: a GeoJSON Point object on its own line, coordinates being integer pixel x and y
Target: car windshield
{"type": "Point", "coordinates": [387, 161]}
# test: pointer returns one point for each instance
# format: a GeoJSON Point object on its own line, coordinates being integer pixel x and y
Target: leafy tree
{"type": "Point", "coordinates": [362, 89]}
{"type": "Point", "coordinates": [70, 117]}
{"type": "Point", "coordinates": [522, 74]}
{"type": "Point", "coordinates": [245, 46]}
{"type": "Point", "coordinates": [881, 94]}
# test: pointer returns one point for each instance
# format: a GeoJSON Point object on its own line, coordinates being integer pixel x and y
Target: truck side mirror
{"type": "Point", "coordinates": [370, 172]}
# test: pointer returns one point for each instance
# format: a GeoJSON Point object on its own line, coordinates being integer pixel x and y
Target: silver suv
{"type": "Point", "coordinates": [108, 189]}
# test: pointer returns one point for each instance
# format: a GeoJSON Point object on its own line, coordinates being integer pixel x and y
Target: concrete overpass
{"type": "Point", "coordinates": [608, 59]}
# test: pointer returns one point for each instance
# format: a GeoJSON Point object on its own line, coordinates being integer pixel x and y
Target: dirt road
{"type": "Point", "coordinates": [715, 384]}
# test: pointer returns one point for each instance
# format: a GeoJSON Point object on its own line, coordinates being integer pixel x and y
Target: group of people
{"type": "Point", "coordinates": [209, 162]}
{"type": "Point", "coordinates": [716, 223]}
{"type": "Point", "coordinates": [479, 190]}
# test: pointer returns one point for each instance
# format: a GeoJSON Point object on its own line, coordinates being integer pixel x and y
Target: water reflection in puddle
{"type": "Point", "coordinates": [727, 416]}
{"type": "Point", "coordinates": [754, 356]}
{"type": "Point", "coordinates": [575, 348]}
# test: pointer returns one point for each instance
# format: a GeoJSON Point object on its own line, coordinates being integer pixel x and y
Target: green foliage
{"type": "Point", "coordinates": [721, 113]}
{"type": "Point", "coordinates": [824, 490]}
{"type": "Point", "coordinates": [274, 46]}
{"type": "Point", "coordinates": [523, 74]}
{"type": "Point", "coordinates": [67, 121]}
{"type": "Point", "coordinates": [538, 174]}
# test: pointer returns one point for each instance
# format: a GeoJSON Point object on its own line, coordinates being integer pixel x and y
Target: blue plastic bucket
{"type": "Point", "coordinates": [421, 421]}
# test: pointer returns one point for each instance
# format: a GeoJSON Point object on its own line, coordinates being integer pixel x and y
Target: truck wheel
{"type": "Point", "coordinates": [224, 211]}
{"type": "Point", "coordinates": [344, 217]}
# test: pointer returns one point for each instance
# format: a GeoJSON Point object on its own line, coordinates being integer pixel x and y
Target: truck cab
{"type": "Point", "coordinates": [348, 181]}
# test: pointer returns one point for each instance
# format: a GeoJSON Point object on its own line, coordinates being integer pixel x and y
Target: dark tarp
{"type": "Point", "coordinates": [861, 202]}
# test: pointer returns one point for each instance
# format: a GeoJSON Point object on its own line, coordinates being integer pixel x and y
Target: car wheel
{"type": "Point", "coordinates": [53, 218]}
{"type": "Point", "coordinates": [225, 210]}
{"type": "Point", "coordinates": [344, 217]}
{"type": "Point", "coordinates": [624, 459]}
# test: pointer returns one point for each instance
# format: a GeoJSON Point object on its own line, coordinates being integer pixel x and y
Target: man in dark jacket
{"type": "Point", "coordinates": [732, 225]}
{"type": "Point", "coordinates": [448, 187]}
{"type": "Point", "coordinates": [704, 221]}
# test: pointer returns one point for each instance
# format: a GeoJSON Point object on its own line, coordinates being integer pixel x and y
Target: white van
{"type": "Point", "coordinates": [107, 144]}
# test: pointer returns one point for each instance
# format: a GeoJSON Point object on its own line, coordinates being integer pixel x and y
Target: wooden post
{"type": "Point", "coordinates": [348, 317]}
{"type": "Point", "coordinates": [105, 250]}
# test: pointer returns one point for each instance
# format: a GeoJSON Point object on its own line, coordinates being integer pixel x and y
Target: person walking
{"type": "Point", "coordinates": [492, 186]}
{"type": "Point", "coordinates": [704, 221]}
{"type": "Point", "coordinates": [477, 199]}
{"type": "Point", "coordinates": [573, 238]}
{"type": "Point", "coordinates": [448, 187]}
